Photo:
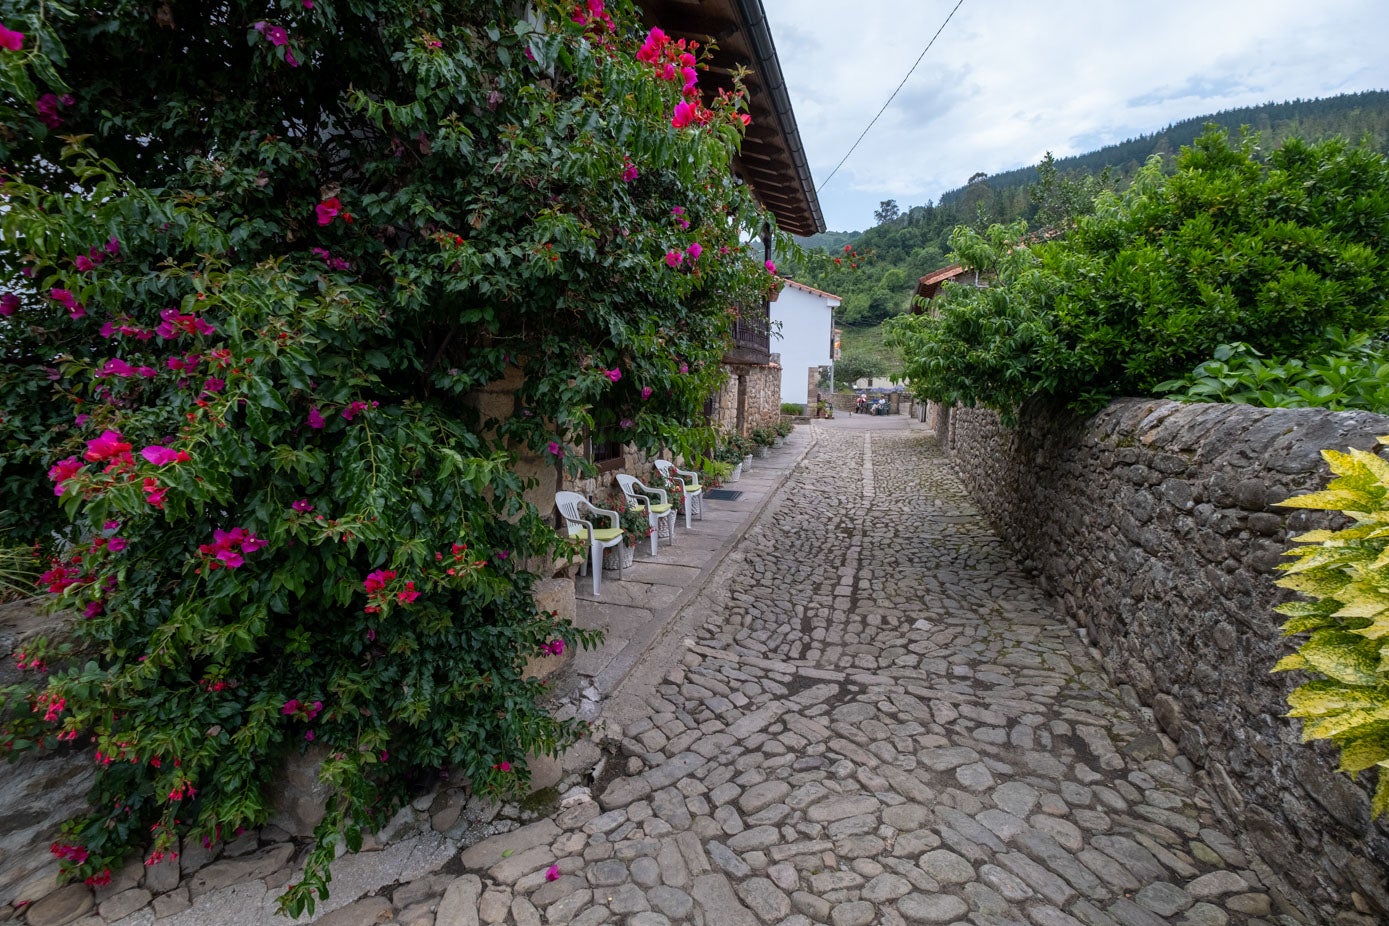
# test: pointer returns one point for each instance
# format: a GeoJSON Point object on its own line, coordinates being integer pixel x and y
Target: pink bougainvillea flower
{"type": "Point", "coordinates": [614, 374]}
{"type": "Point", "coordinates": [47, 108]}
{"type": "Point", "coordinates": [93, 609]}
{"type": "Point", "coordinates": [354, 409]}
{"type": "Point", "coordinates": [330, 209]}
{"type": "Point", "coordinates": [108, 445]}
{"type": "Point", "coordinates": [554, 448]}
{"type": "Point", "coordinates": [308, 735]}
{"type": "Point", "coordinates": [684, 114]}
{"type": "Point", "coordinates": [552, 873]}
{"type": "Point", "coordinates": [691, 78]}
{"type": "Point", "coordinates": [645, 392]}
{"type": "Point", "coordinates": [117, 544]}
{"type": "Point", "coordinates": [290, 707]}
{"type": "Point", "coordinates": [315, 418]}
{"type": "Point", "coordinates": [62, 471]}
{"type": "Point", "coordinates": [214, 385]}
{"type": "Point", "coordinates": [9, 304]}
{"type": "Point", "coordinates": [302, 505]}
{"type": "Point", "coordinates": [63, 297]}
{"type": "Point", "coordinates": [771, 267]}
{"type": "Point", "coordinates": [503, 766]}
{"type": "Point", "coordinates": [626, 424]}
{"type": "Point", "coordinates": [684, 368]}
{"type": "Point", "coordinates": [83, 263]}
{"type": "Point", "coordinates": [163, 456]}
{"type": "Point", "coordinates": [694, 251]}
{"type": "Point", "coordinates": [113, 246]}
{"type": "Point", "coordinates": [653, 47]}
{"type": "Point", "coordinates": [673, 258]}
{"type": "Point", "coordinates": [11, 40]}
{"type": "Point", "coordinates": [376, 581]}
{"type": "Point", "coordinates": [555, 647]}
{"type": "Point", "coordinates": [408, 594]}
{"type": "Point", "coordinates": [154, 492]}
{"type": "Point", "coordinates": [629, 170]}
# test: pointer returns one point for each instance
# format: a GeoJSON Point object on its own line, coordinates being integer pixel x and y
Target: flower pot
{"type": "Point", "coordinates": [747, 461]}
{"type": "Point", "coordinates": [736, 474]}
{"type": "Point", "coordinates": [778, 441]}
{"type": "Point", "coordinates": [762, 452]}
{"type": "Point", "coordinates": [620, 555]}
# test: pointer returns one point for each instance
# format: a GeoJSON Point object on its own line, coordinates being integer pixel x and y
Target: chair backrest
{"type": "Point", "coordinates": [568, 505]}
{"type": "Point", "coordinates": [665, 468]}
{"type": "Point", "coordinates": [627, 483]}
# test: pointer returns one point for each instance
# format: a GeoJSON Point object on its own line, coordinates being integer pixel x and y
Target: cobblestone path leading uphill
{"type": "Point", "coordinates": [885, 724]}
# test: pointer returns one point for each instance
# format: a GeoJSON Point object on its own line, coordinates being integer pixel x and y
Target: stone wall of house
{"type": "Point", "coordinates": [761, 398]}
{"type": "Point", "coordinates": [1155, 527]}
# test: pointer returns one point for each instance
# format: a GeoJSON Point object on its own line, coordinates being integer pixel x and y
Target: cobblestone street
{"type": "Point", "coordinates": [884, 723]}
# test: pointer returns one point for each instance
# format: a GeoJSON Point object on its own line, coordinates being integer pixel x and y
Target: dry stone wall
{"type": "Point", "coordinates": [1154, 526]}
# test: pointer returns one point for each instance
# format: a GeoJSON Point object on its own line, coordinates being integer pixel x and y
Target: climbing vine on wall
{"type": "Point", "coordinates": [259, 256]}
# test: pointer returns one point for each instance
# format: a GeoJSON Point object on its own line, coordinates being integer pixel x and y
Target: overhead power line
{"type": "Point", "coordinates": [874, 120]}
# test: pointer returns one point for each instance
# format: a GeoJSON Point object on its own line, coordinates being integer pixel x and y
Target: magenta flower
{"type": "Point", "coordinates": [694, 251]}
{"type": "Point", "coordinates": [83, 263]}
{"type": "Point", "coordinates": [214, 385]}
{"type": "Point", "coordinates": [554, 448]}
{"type": "Point", "coordinates": [626, 424]}
{"type": "Point", "coordinates": [375, 582]}
{"type": "Point", "coordinates": [108, 445]}
{"type": "Point", "coordinates": [117, 544]}
{"type": "Point", "coordinates": [308, 735]}
{"type": "Point", "coordinates": [63, 297]}
{"type": "Point", "coordinates": [645, 392]}
{"type": "Point", "coordinates": [93, 609]}
{"type": "Point", "coordinates": [684, 368]}
{"type": "Point", "coordinates": [162, 456]}
{"type": "Point", "coordinates": [629, 170]}
{"type": "Point", "coordinates": [683, 116]}
{"type": "Point", "coordinates": [771, 267]}
{"type": "Point", "coordinates": [330, 209]}
{"type": "Point", "coordinates": [11, 40]}
{"type": "Point", "coordinates": [673, 258]}
{"type": "Point", "coordinates": [290, 707]}
{"type": "Point", "coordinates": [113, 246]}
{"type": "Point", "coordinates": [63, 470]}
{"type": "Point", "coordinates": [691, 78]}
{"type": "Point", "coordinates": [556, 647]}
{"type": "Point", "coordinates": [552, 873]}
{"type": "Point", "coordinates": [503, 766]}
{"type": "Point", "coordinates": [614, 374]}
{"type": "Point", "coordinates": [315, 418]}
{"type": "Point", "coordinates": [353, 409]}
{"type": "Point", "coordinates": [47, 108]}
{"type": "Point", "coordinates": [302, 505]}
{"type": "Point", "coordinates": [9, 304]}
{"type": "Point", "coordinates": [408, 594]}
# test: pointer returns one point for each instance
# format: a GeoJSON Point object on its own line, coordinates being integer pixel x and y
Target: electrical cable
{"type": "Point", "coordinates": [874, 120]}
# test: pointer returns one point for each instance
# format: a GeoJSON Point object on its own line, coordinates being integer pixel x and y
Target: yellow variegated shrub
{"type": "Point", "coordinates": [1345, 573]}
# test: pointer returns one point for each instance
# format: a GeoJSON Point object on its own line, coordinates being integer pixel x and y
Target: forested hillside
{"type": "Point", "coordinates": [876, 281]}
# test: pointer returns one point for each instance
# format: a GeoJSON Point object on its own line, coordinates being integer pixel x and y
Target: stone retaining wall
{"type": "Point", "coordinates": [1154, 526]}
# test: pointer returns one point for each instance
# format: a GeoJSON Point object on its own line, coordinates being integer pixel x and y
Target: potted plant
{"type": "Point", "coordinates": [635, 528]}
{"type": "Point", "coordinates": [714, 473]}
{"type": "Point", "coordinates": [762, 439]}
{"type": "Point", "coordinates": [729, 455]}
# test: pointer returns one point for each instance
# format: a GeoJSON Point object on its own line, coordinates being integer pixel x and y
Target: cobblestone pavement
{"type": "Point", "coordinates": [882, 723]}
{"type": "Point", "coordinates": [885, 724]}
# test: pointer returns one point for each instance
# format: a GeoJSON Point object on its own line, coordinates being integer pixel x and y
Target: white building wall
{"type": "Point", "coordinates": [802, 326]}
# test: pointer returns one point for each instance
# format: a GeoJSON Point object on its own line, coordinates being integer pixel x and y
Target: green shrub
{"type": "Point", "coordinates": [252, 289]}
{"type": "Point", "coordinates": [1353, 375]}
{"type": "Point", "coordinates": [795, 409]}
{"type": "Point", "coordinates": [1344, 573]}
{"type": "Point", "coordinates": [783, 428]}
{"type": "Point", "coordinates": [1229, 248]}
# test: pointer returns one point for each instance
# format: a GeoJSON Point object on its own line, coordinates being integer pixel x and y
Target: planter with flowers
{"type": "Point", "coordinates": [635, 529]}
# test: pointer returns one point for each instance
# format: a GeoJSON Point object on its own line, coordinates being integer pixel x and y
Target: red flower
{"type": "Point", "coordinates": [408, 595]}
{"type": "Point", "coordinates": [154, 492]}
{"type": "Point", "coordinates": [315, 418]}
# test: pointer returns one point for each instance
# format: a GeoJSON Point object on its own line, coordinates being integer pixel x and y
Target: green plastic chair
{"type": "Point", "coordinates": [572, 507]}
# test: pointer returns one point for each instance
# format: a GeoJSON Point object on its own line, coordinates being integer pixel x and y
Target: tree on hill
{"type": "Point", "coordinates": [887, 211]}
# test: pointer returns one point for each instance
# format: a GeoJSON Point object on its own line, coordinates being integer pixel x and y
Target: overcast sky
{"type": "Point", "coordinates": [1009, 80]}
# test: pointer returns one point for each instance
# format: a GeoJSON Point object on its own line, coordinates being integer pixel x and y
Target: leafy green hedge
{"type": "Point", "coordinates": [1231, 247]}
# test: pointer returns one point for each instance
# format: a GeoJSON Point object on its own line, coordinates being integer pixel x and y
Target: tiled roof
{"type": "Point", "coordinates": [809, 289]}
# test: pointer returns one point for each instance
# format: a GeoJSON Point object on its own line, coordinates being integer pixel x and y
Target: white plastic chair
{"type": "Point", "coordinates": [657, 510]}
{"type": "Point", "coordinates": [689, 480]}
{"type": "Point", "coordinates": [572, 507]}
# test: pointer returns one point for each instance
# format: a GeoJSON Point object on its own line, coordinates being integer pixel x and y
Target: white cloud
{"type": "Point", "coordinates": [1010, 79]}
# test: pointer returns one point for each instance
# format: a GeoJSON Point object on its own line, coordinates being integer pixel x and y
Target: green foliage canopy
{"type": "Point", "coordinates": [1229, 248]}
{"type": "Point", "coordinates": [260, 258]}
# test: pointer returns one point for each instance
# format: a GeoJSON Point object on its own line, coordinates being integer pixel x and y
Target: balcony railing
{"type": "Point", "coordinates": [752, 335]}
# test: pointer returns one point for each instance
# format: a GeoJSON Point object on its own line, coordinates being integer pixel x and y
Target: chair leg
{"type": "Point", "coordinates": [687, 513]}
{"type": "Point", "coordinates": [595, 554]}
{"type": "Point", "coordinates": [655, 530]}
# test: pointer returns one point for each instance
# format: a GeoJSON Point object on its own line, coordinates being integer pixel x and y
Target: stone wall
{"type": "Point", "coordinates": [757, 389]}
{"type": "Point", "coordinates": [1154, 526]}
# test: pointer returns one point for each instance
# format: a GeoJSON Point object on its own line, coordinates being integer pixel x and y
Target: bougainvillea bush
{"type": "Point", "coordinates": [257, 257]}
